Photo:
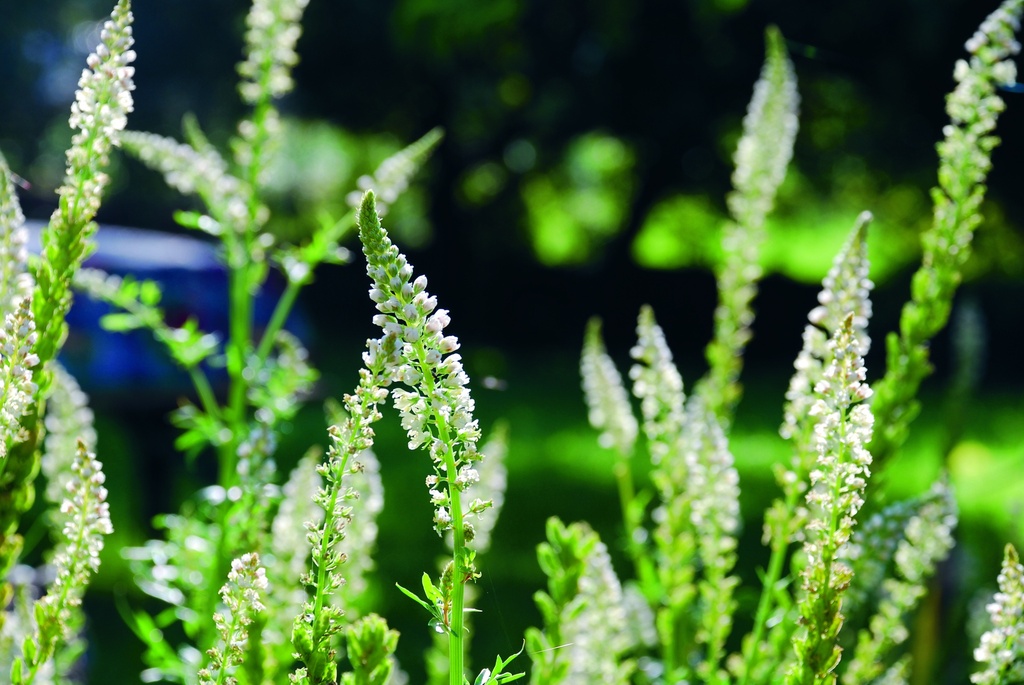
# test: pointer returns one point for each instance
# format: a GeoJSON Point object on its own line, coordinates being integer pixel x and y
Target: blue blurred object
{"type": "Point", "coordinates": [194, 284]}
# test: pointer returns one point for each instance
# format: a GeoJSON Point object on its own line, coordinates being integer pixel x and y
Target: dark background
{"type": "Point", "coordinates": [669, 80]}
{"type": "Point", "coordinates": [514, 84]}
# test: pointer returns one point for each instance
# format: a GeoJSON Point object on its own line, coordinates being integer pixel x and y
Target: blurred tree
{"type": "Point", "coordinates": [517, 85]}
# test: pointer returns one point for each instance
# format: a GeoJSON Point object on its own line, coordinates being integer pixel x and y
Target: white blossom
{"type": "Point", "coordinates": [14, 282]}
{"type": "Point", "coordinates": [659, 387]}
{"type": "Point", "coordinates": [594, 625]}
{"type": "Point", "coordinates": [1001, 651]}
{"type": "Point", "coordinates": [272, 29]}
{"type": "Point", "coordinates": [17, 360]}
{"type": "Point", "coordinates": [837, 483]}
{"type": "Point", "coordinates": [242, 597]}
{"type": "Point", "coordinates": [608, 405]}
{"type": "Point", "coordinates": [68, 420]}
{"type": "Point", "coordinates": [435, 404]}
{"type": "Point", "coordinates": [103, 101]}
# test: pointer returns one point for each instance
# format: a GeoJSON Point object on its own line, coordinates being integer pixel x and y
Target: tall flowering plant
{"type": "Point", "coordinates": [437, 414]}
{"type": "Point", "coordinates": [39, 636]}
{"type": "Point", "coordinates": [263, 576]}
{"type": "Point", "coordinates": [825, 570]}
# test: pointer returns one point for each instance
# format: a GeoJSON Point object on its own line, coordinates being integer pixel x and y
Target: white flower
{"type": "Point", "coordinates": [595, 623]}
{"type": "Point", "coordinates": [68, 420]}
{"type": "Point", "coordinates": [17, 359]}
{"type": "Point", "coordinates": [659, 386]}
{"type": "Point", "coordinates": [1001, 650]}
{"type": "Point", "coordinates": [15, 282]}
{"type": "Point", "coordinates": [435, 405]}
{"type": "Point", "coordinates": [272, 30]}
{"type": "Point", "coordinates": [608, 405]}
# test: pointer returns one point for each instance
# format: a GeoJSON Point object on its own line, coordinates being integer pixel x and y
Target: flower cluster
{"type": "Point", "coordinates": [103, 101]}
{"type": "Point", "coordinates": [242, 597]}
{"type": "Point", "coordinates": [927, 539]}
{"type": "Point", "coordinates": [17, 359]}
{"type": "Point", "coordinates": [84, 518]}
{"type": "Point", "coordinates": [769, 130]}
{"type": "Point", "coordinates": [391, 178]}
{"type": "Point", "coordinates": [659, 386]}
{"type": "Point", "coordinates": [202, 172]}
{"type": "Point", "coordinates": [762, 155]}
{"type": "Point", "coordinates": [349, 439]}
{"type": "Point", "coordinates": [1001, 651]}
{"type": "Point", "coordinates": [965, 158]}
{"type": "Point", "coordinates": [713, 488]}
{"type": "Point", "coordinates": [315, 628]}
{"type": "Point", "coordinates": [87, 518]}
{"type": "Point", "coordinates": [272, 30]}
{"type": "Point", "coordinates": [973, 107]}
{"type": "Point", "coordinates": [845, 292]}
{"type": "Point", "coordinates": [675, 440]}
{"type": "Point", "coordinates": [100, 111]}
{"type": "Point", "coordinates": [436, 409]}
{"type": "Point", "coordinates": [68, 420]}
{"type": "Point", "coordinates": [995, 40]}
{"type": "Point", "coordinates": [835, 497]}
{"type": "Point", "coordinates": [608, 405]}
{"type": "Point", "coordinates": [842, 432]}
{"type": "Point", "coordinates": [594, 624]}
{"type": "Point", "coordinates": [13, 237]}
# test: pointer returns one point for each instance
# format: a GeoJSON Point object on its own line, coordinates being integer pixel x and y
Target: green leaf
{"type": "Point", "coordinates": [149, 293]}
{"type": "Point", "coordinates": [411, 595]}
{"type": "Point", "coordinates": [198, 221]}
{"type": "Point", "coordinates": [497, 674]}
{"type": "Point", "coordinates": [29, 649]}
{"type": "Point", "coordinates": [120, 322]}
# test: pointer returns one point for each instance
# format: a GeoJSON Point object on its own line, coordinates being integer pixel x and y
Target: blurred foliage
{"type": "Point", "coordinates": [580, 204]}
{"type": "Point", "coordinates": [682, 230]}
{"type": "Point", "coordinates": [313, 174]}
{"type": "Point", "coordinates": [526, 91]}
{"type": "Point", "coordinates": [446, 28]}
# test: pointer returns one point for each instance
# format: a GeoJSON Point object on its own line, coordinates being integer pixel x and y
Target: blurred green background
{"type": "Point", "coordinates": [587, 157]}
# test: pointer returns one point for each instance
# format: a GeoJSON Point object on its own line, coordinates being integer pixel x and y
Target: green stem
{"type": "Point", "coordinates": [281, 310]}
{"type": "Point", "coordinates": [328, 540]}
{"type": "Point", "coordinates": [240, 263]}
{"type": "Point", "coordinates": [455, 643]}
{"type": "Point", "coordinates": [240, 335]}
{"type": "Point", "coordinates": [234, 419]}
{"type": "Point", "coordinates": [624, 480]}
{"type": "Point", "coordinates": [222, 672]}
{"type": "Point", "coordinates": [337, 230]}
{"type": "Point", "coordinates": [634, 545]}
{"type": "Point", "coordinates": [766, 605]}
{"type": "Point", "coordinates": [826, 602]}
{"type": "Point", "coordinates": [456, 657]}
{"type": "Point", "coordinates": [286, 303]}
{"type": "Point", "coordinates": [204, 391]}
{"type": "Point", "coordinates": [671, 647]}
